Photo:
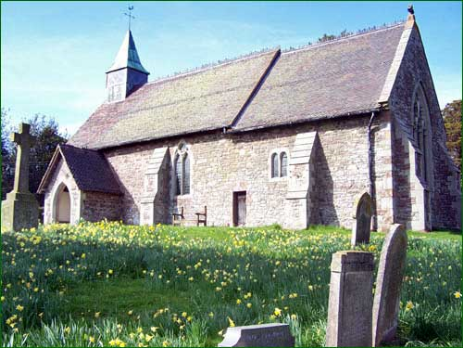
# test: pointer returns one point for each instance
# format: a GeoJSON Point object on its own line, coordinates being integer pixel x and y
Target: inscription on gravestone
{"type": "Point", "coordinates": [265, 335]}
{"type": "Point", "coordinates": [388, 284]}
{"type": "Point", "coordinates": [363, 212]}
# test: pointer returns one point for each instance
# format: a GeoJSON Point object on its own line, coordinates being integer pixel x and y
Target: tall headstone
{"type": "Point", "coordinates": [265, 335]}
{"type": "Point", "coordinates": [20, 209]}
{"type": "Point", "coordinates": [388, 283]}
{"type": "Point", "coordinates": [351, 300]}
{"type": "Point", "coordinates": [363, 211]}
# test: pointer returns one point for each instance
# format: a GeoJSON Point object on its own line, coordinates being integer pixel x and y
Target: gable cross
{"type": "Point", "coordinates": [25, 141]}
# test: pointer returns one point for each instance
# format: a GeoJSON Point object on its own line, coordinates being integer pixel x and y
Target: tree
{"type": "Point", "coordinates": [7, 167]}
{"type": "Point", "coordinates": [48, 137]}
{"type": "Point", "coordinates": [326, 37]}
{"type": "Point", "coordinates": [452, 121]}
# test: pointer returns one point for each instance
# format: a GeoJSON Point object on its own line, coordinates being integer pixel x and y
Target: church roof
{"type": "Point", "coordinates": [89, 168]}
{"type": "Point", "coordinates": [337, 78]}
{"type": "Point", "coordinates": [127, 57]}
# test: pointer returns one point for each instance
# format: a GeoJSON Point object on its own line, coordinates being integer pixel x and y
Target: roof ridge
{"type": "Point", "coordinates": [211, 66]}
{"type": "Point", "coordinates": [361, 32]}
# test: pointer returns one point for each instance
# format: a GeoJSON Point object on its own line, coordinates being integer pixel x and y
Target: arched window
{"type": "Point", "coordinates": [178, 175]}
{"type": "Point", "coordinates": [186, 174]}
{"type": "Point", "coordinates": [421, 133]}
{"type": "Point", "coordinates": [283, 164]}
{"type": "Point", "coordinates": [274, 165]}
{"type": "Point", "coordinates": [182, 171]}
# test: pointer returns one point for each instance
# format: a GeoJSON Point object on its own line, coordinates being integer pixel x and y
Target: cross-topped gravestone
{"type": "Point", "coordinates": [20, 209]}
{"type": "Point", "coordinates": [24, 141]}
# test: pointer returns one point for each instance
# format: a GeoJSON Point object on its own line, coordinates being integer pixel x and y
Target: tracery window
{"type": "Point", "coordinates": [182, 170]}
{"type": "Point", "coordinates": [420, 133]}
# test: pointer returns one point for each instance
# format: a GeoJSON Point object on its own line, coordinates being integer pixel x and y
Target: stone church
{"type": "Point", "coordinates": [287, 137]}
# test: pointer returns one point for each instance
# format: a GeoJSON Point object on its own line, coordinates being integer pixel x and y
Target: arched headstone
{"type": "Point", "coordinates": [388, 284]}
{"type": "Point", "coordinates": [363, 211]}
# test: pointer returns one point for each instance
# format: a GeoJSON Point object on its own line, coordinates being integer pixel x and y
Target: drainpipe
{"type": "Point", "coordinates": [371, 168]}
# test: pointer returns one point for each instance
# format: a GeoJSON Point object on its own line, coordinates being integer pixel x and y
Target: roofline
{"type": "Point", "coordinates": [127, 67]}
{"type": "Point", "coordinates": [210, 67]}
{"type": "Point", "coordinates": [49, 170]}
{"type": "Point", "coordinates": [343, 38]}
{"type": "Point", "coordinates": [399, 55]}
{"type": "Point", "coordinates": [228, 130]}
{"type": "Point", "coordinates": [365, 112]}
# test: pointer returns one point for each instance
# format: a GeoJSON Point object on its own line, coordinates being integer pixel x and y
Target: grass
{"type": "Point", "coordinates": [110, 284]}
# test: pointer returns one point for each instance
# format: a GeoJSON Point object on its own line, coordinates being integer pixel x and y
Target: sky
{"type": "Point", "coordinates": [54, 55]}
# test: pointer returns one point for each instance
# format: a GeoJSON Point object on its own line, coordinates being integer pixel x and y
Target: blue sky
{"type": "Point", "coordinates": [54, 54]}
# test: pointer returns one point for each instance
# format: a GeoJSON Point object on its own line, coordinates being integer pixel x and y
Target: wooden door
{"type": "Point", "coordinates": [239, 208]}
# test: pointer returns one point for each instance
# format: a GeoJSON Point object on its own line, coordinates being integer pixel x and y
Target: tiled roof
{"type": "Point", "coordinates": [336, 78]}
{"type": "Point", "coordinates": [89, 168]}
{"type": "Point", "coordinates": [203, 100]}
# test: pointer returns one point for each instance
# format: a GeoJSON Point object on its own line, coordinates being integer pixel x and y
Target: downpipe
{"type": "Point", "coordinates": [371, 167]}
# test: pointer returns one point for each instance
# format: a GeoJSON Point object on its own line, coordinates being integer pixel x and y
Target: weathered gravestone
{"type": "Point", "coordinates": [388, 283]}
{"type": "Point", "coordinates": [363, 211]}
{"type": "Point", "coordinates": [265, 335]}
{"type": "Point", "coordinates": [350, 300]}
{"type": "Point", "coordinates": [20, 209]}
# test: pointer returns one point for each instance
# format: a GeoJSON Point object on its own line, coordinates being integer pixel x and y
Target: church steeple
{"type": "Point", "coordinates": [127, 73]}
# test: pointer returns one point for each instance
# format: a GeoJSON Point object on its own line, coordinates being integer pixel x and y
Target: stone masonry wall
{"type": "Point", "coordinates": [445, 188]}
{"type": "Point", "coordinates": [98, 206]}
{"type": "Point", "coordinates": [225, 163]}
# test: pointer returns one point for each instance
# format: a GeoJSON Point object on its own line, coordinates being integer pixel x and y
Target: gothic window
{"type": "Point", "coordinates": [182, 171]}
{"type": "Point", "coordinates": [186, 174]}
{"type": "Point", "coordinates": [178, 175]}
{"type": "Point", "coordinates": [274, 165]}
{"type": "Point", "coordinates": [420, 134]}
{"type": "Point", "coordinates": [283, 164]}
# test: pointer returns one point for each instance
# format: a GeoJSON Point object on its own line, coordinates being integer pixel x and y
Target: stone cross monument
{"type": "Point", "coordinates": [20, 209]}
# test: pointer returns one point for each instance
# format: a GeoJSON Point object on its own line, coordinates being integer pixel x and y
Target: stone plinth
{"type": "Point", "coordinates": [351, 300]}
{"type": "Point", "coordinates": [19, 210]}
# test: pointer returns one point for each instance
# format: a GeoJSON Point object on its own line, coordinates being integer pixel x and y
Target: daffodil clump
{"type": "Point", "coordinates": [110, 284]}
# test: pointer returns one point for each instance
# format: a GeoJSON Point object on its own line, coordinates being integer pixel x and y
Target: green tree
{"type": "Point", "coordinates": [452, 121]}
{"type": "Point", "coordinates": [326, 37]}
{"type": "Point", "coordinates": [48, 135]}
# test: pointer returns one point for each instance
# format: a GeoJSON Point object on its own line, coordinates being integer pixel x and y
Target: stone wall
{"type": "Point", "coordinates": [225, 163]}
{"type": "Point", "coordinates": [445, 191]}
{"type": "Point", "coordinates": [98, 206]}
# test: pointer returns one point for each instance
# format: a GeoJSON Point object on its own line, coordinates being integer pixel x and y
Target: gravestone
{"type": "Point", "coordinates": [20, 209]}
{"type": "Point", "coordinates": [388, 284]}
{"type": "Point", "coordinates": [265, 335]}
{"type": "Point", "coordinates": [363, 212]}
{"type": "Point", "coordinates": [350, 300]}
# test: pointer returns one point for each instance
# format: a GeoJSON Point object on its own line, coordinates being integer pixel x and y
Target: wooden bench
{"type": "Point", "coordinates": [178, 219]}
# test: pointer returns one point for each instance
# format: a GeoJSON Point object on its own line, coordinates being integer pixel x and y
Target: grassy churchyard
{"type": "Point", "coordinates": [107, 284]}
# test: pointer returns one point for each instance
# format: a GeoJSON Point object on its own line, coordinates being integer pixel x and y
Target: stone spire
{"type": "Point", "coordinates": [127, 73]}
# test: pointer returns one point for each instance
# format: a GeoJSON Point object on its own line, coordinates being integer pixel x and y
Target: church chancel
{"type": "Point", "coordinates": [287, 137]}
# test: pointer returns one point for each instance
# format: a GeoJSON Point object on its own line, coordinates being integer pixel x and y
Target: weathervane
{"type": "Point", "coordinates": [130, 8]}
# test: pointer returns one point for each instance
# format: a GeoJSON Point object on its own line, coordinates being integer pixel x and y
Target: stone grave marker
{"type": "Point", "coordinates": [265, 335]}
{"type": "Point", "coordinates": [20, 209]}
{"type": "Point", "coordinates": [388, 283]}
{"type": "Point", "coordinates": [350, 300]}
{"type": "Point", "coordinates": [363, 211]}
